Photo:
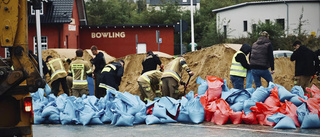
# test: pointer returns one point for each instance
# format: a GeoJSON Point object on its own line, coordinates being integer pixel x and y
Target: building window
{"type": "Point", "coordinates": [225, 31]}
{"type": "Point", "coordinates": [280, 22]}
{"type": "Point", "coordinates": [44, 43]}
{"type": "Point", "coordinates": [7, 51]}
{"type": "Point", "coordinates": [254, 27]}
{"type": "Point", "coordinates": [184, 0]}
{"type": "Point", "coordinates": [33, 12]}
{"type": "Point", "coordinates": [245, 26]}
{"type": "Point", "coordinates": [267, 21]}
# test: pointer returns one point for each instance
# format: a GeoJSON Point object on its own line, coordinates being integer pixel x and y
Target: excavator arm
{"type": "Point", "coordinates": [14, 35]}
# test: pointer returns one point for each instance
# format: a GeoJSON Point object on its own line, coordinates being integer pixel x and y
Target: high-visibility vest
{"type": "Point", "coordinates": [57, 69]}
{"type": "Point", "coordinates": [236, 68]}
{"type": "Point", "coordinates": [79, 69]}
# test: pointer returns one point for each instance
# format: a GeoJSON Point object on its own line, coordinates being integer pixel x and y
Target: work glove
{"type": "Point", "coordinates": [182, 83]}
{"type": "Point", "coordinates": [69, 61]}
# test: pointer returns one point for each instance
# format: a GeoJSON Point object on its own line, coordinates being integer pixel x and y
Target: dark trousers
{"type": "Point", "coordinates": [97, 76]}
{"type": "Point", "coordinates": [56, 85]}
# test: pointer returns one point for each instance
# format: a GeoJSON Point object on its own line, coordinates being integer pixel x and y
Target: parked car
{"type": "Point", "coordinates": [282, 53]}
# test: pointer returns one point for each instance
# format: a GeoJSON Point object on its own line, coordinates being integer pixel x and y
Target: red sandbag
{"type": "Point", "coordinates": [289, 109]}
{"type": "Point", "coordinates": [220, 118]}
{"type": "Point", "coordinates": [314, 90]}
{"type": "Point", "coordinates": [262, 110]}
{"type": "Point", "coordinates": [214, 88]}
{"type": "Point", "coordinates": [273, 99]}
{"type": "Point", "coordinates": [249, 119]}
{"type": "Point", "coordinates": [235, 117]}
{"type": "Point", "coordinates": [207, 113]}
{"type": "Point", "coordinates": [313, 105]}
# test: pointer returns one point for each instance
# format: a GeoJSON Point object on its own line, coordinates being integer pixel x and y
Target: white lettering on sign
{"type": "Point", "coordinates": [108, 35]}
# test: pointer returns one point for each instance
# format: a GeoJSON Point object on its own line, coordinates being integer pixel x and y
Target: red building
{"type": "Point", "coordinates": [119, 41]}
{"type": "Point", "coordinates": [64, 25]}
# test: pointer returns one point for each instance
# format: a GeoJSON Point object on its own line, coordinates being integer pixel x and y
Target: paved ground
{"type": "Point", "coordinates": [205, 129]}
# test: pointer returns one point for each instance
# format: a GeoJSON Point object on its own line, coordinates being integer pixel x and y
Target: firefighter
{"type": "Point", "coordinates": [79, 69]}
{"type": "Point", "coordinates": [150, 62]}
{"type": "Point", "coordinates": [171, 78]}
{"type": "Point", "coordinates": [58, 74]}
{"type": "Point", "coordinates": [111, 76]}
{"type": "Point", "coordinates": [149, 85]}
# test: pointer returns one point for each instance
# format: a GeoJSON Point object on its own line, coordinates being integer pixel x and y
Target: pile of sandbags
{"type": "Point", "coordinates": [273, 105]}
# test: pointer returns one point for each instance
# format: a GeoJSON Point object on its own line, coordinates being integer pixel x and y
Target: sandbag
{"type": "Point", "coordinates": [260, 95]}
{"type": "Point", "coordinates": [314, 90]}
{"type": "Point", "coordinates": [235, 117]}
{"type": "Point", "coordinates": [140, 117]}
{"type": "Point", "coordinates": [195, 110]}
{"type": "Point", "coordinates": [202, 88]}
{"type": "Point", "coordinates": [289, 109]}
{"type": "Point", "coordinates": [221, 114]}
{"type": "Point", "coordinates": [250, 118]}
{"type": "Point", "coordinates": [214, 88]}
{"type": "Point", "coordinates": [151, 119]}
{"type": "Point", "coordinates": [311, 120]}
{"type": "Point", "coordinates": [295, 100]}
{"type": "Point", "coordinates": [262, 111]}
{"type": "Point", "coordinates": [237, 107]}
{"type": "Point", "coordinates": [284, 94]}
{"type": "Point", "coordinates": [122, 119]}
{"type": "Point", "coordinates": [273, 99]}
{"type": "Point", "coordinates": [247, 105]}
{"type": "Point", "coordinates": [285, 123]}
{"type": "Point", "coordinates": [68, 116]}
{"type": "Point", "coordinates": [302, 110]}
{"type": "Point", "coordinates": [298, 91]}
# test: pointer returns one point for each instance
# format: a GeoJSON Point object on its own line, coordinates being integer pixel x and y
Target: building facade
{"type": "Point", "coordinates": [183, 4]}
{"type": "Point", "coordinates": [237, 20]}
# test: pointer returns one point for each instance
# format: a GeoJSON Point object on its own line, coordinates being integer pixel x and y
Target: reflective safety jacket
{"type": "Point", "coordinates": [236, 68]}
{"type": "Point", "coordinates": [56, 67]}
{"type": "Point", "coordinates": [174, 68]}
{"type": "Point", "coordinates": [79, 69]}
{"type": "Point", "coordinates": [153, 77]}
{"type": "Point", "coordinates": [111, 76]}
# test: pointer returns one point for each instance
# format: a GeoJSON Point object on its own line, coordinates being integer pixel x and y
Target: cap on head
{"type": "Point", "coordinates": [264, 33]}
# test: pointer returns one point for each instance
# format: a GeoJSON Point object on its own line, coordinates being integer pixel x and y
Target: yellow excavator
{"type": "Point", "coordinates": [19, 74]}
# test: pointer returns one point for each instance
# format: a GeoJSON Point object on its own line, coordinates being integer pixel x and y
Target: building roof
{"type": "Point", "coordinates": [180, 2]}
{"type": "Point", "coordinates": [57, 11]}
{"type": "Point", "coordinates": [128, 26]}
{"type": "Point", "coordinates": [260, 3]}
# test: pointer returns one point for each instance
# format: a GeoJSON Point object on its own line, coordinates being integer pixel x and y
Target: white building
{"type": "Point", "coordinates": [238, 20]}
{"type": "Point", "coordinates": [183, 4]}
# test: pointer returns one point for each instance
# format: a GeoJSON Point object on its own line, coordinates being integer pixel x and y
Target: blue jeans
{"type": "Point", "coordinates": [237, 82]}
{"type": "Point", "coordinates": [258, 73]}
{"type": "Point", "coordinates": [249, 79]}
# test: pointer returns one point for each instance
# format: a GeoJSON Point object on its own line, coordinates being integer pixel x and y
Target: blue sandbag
{"type": "Point", "coordinates": [68, 116]}
{"type": "Point", "coordinates": [285, 123]}
{"type": "Point", "coordinates": [38, 119]}
{"type": "Point", "coordinates": [225, 86]}
{"type": "Point", "coordinates": [61, 101]}
{"type": "Point", "coordinates": [183, 113]}
{"type": "Point", "coordinates": [243, 95]}
{"type": "Point", "coordinates": [159, 110]}
{"type": "Point", "coordinates": [196, 110]}
{"type": "Point", "coordinates": [298, 91]}
{"type": "Point", "coordinates": [190, 95]}
{"type": "Point", "coordinates": [237, 107]}
{"type": "Point", "coordinates": [250, 90]}
{"type": "Point", "coordinates": [295, 100]}
{"type": "Point", "coordinates": [260, 95]}
{"type": "Point", "coordinates": [302, 110]}
{"type": "Point", "coordinates": [311, 120]}
{"type": "Point", "coordinates": [54, 119]}
{"type": "Point", "coordinates": [125, 120]}
{"type": "Point", "coordinates": [140, 117]}
{"type": "Point", "coordinates": [170, 104]}
{"type": "Point", "coordinates": [167, 119]}
{"type": "Point", "coordinates": [151, 119]}
{"type": "Point", "coordinates": [225, 95]}
{"type": "Point", "coordinates": [202, 87]}
{"type": "Point", "coordinates": [247, 105]}
{"type": "Point", "coordinates": [50, 110]}
{"type": "Point", "coordinates": [275, 118]}
{"type": "Point", "coordinates": [86, 115]}
{"type": "Point", "coordinates": [107, 116]}
{"type": "Point", "coordinates": [47, 89]}
{"type": "Point", "coordinates": [284, 94]}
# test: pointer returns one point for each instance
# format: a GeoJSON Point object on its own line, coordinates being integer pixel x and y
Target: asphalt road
{"type": "Point", "coordinates": [205, 129]}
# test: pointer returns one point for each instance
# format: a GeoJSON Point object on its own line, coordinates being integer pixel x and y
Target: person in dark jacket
{"type": "Point", "coordinates": [110, 78]}
{"type": "Point", "coordinates": [305, 64]}
{"type": "Point", "coordinates": [261, 59]}
{"type": "Point", "coordinates": [239, 66]}
{"type": "Point", "coordinates": [150, 62]}
{"type": "Point", "coordinates": [99, 62]}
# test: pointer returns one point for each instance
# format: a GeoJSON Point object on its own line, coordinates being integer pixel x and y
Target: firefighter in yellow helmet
{"type": "Point", "coordinates": [79, 69]}
{"type": "Point", "coordinates": [171, 78]}
{"type": "Point", "coordinates": [58, 74]}
{"type": "Point", "coordinates": [149, 85]}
